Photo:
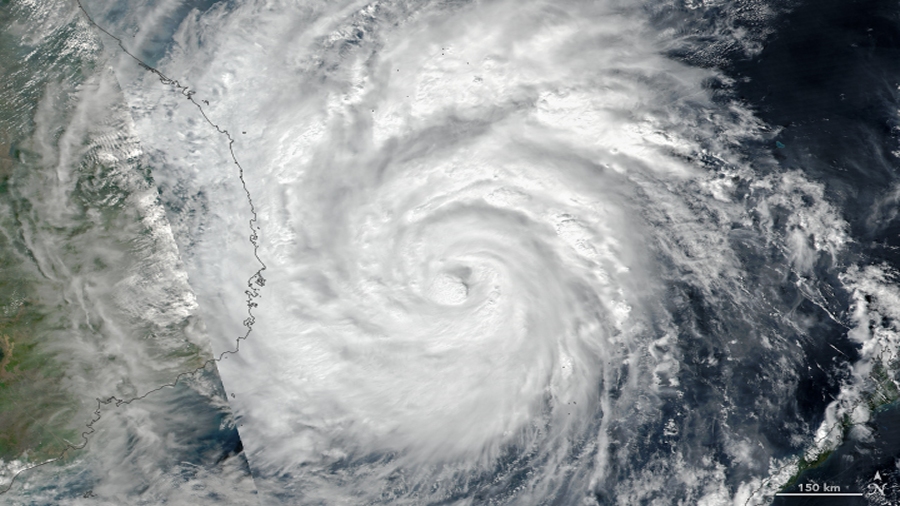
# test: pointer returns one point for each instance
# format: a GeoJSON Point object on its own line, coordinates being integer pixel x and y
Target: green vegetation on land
{"type": "Point", "coordinates": [885, 392]}
{"type": "Point", "coordinates": [35, 412]}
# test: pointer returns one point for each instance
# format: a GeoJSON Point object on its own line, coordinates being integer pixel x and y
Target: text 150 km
{"type": "Point", "coordinates": [815, 487]}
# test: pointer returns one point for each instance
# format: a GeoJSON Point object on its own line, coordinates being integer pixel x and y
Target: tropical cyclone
{"type": "Point", "coordinates": [516, 253]}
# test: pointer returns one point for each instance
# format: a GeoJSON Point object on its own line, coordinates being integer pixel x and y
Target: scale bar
{"type": "Point", "coordinates": [819, 494]}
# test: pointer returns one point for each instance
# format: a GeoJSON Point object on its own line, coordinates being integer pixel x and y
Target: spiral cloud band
{"type": "Point", "coordinates": [514, 251]}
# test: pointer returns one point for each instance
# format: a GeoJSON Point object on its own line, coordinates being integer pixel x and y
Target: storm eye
{"type": "Point", "coordinates": [448, 289]}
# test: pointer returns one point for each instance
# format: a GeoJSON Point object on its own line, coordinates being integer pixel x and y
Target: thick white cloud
{"type": "Point", "coordinates": [471, 215]}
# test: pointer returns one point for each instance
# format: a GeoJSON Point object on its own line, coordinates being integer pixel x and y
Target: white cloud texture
{"type": "Point", "coordinates": [484, 224]}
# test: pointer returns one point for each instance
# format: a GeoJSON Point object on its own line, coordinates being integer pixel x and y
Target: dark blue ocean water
{"type": "Point", "coordinates": [829, 78]}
